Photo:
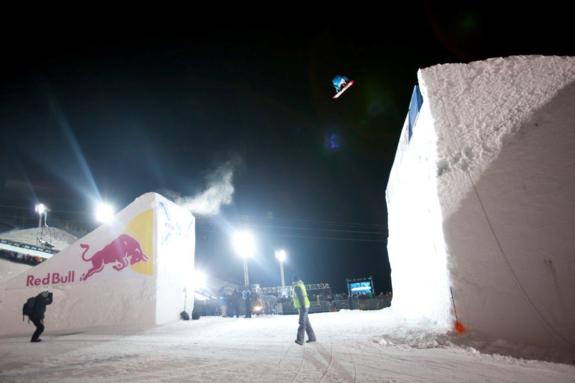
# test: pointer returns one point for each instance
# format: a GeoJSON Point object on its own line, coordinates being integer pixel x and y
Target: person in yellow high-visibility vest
{"type": "Point", "coordinates": [301, 303]}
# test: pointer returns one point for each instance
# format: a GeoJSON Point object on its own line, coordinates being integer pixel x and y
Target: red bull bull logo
{"type": "Point", "coordinates": [121, 252]}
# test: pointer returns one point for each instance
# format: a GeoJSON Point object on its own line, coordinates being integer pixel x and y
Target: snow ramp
{"type": "Point", "coordinates": [480, 201]}
{"type": "Point", "coordinates": [135, 271]}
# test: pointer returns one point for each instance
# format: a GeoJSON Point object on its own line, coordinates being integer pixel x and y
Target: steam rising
{"type": "Point", "coordinates": [220, 191]}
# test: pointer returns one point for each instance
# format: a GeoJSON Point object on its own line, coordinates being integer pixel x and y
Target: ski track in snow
{"type": "Point", "coordinates": [261, 350]}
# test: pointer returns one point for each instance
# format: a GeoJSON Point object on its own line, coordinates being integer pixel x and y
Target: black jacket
{"type": "Point", "coordinates": [42, 300]}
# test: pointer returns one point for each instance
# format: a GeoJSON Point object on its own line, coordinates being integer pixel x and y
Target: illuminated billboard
{"type": "Point", "coordinates": [360, 286]}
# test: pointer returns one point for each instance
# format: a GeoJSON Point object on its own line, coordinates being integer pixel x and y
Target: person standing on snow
{"type": "Point", "coordinates": [37, 315]}
{"type": "Point", "coordinates": [301, 303]}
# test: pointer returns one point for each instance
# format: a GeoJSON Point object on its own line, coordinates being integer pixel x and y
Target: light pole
{"type": "Point", "coordinates": [42, 210]}
{"type": "Point", "coordinates": [281, 256]}
{"type": "Point", "coordinates": [245, 246]}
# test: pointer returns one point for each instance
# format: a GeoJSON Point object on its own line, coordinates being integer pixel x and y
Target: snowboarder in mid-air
{"type": "Point", "coordinates": [341, 84]}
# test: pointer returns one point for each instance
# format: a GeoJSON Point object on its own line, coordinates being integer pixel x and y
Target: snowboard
{"type": "Point", "coordinates": [346, 87]}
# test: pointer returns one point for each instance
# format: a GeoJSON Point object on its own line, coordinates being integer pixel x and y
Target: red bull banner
{"type": "Point", "coordinates": [131, 251]}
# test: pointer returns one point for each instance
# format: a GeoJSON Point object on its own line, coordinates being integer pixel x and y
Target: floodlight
{"type": "Point", "coordinates": [200, 279]}
{"type": "Point", "coordinates": [40, 208]}
{"type": "Point", "coordinates": [244, 244]}
{"type": "Point", "coordinates": [104, 212]}
{"type": "Point", "coordinates": [281, 255]}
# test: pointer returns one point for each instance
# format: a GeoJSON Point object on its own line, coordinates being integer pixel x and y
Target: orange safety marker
{"type": "Point", "coordinates": [457, 325]}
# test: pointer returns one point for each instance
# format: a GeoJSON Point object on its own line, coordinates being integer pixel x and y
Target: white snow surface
{"type": "Point", "coordinates": [57, 237]}
{"type": "Point", "coordinates": [478, 108]}
{"type": "Point", "coordinates": [480, 201]}
{"type": "Point", "coordinates": [353, 346]}
{"type": "Point", "coordinates": [10, 269]}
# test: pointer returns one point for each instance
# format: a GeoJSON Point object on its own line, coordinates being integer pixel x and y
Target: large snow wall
{"type": "Point", "coordinates": [480, 201]}
{"type": "Point", "coordinates": [133, 272]}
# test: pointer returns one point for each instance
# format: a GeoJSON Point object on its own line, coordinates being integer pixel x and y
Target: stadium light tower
{"type": "Point", "coordinates": [104, 212]}
{"type": "Point", "coordinates": [281, 256]}
{"type": "Point", "coordinates": [41, 209]}
{"type": "Point", "coordinates": [245, 246]}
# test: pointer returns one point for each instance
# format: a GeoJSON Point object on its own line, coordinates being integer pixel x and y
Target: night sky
{"type": "Point", "coordinates": [116, 107]}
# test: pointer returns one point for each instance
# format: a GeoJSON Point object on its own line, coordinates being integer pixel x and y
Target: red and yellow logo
{"type": "Point", "coordinates": [133, 248]}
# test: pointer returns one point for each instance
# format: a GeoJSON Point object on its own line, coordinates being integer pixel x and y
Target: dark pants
{"type": "Point", "coordinates": [39, 323]}
{"type": "Point", "coordinates": [304, 326]}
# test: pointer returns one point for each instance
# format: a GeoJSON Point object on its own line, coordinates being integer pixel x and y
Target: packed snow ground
{"type": "Point", "coordinates": [353, 346]}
